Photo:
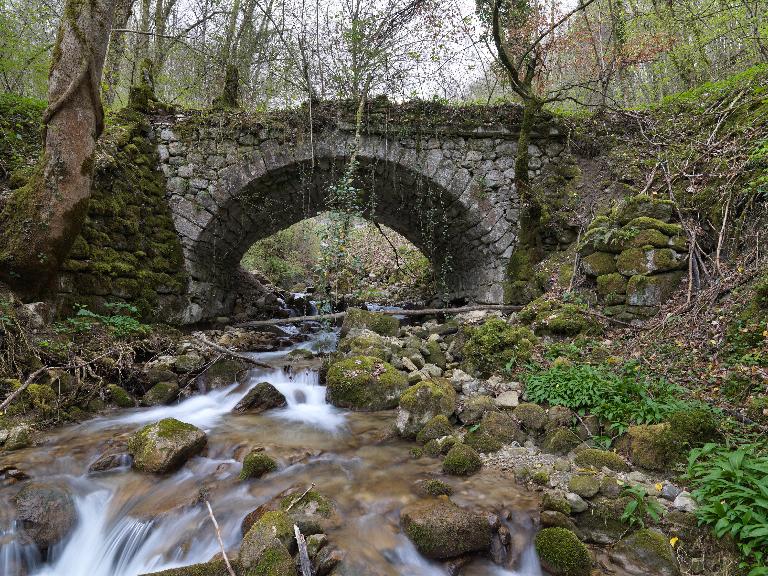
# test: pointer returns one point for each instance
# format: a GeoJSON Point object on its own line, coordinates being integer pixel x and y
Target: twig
{"type": "Point", "coordinates": [203, 340]}
{"type": "Point", "coordinates": [218, 537]}
{"type": "Point", "coordinates": [23, 387]}
{"type": "Point", "coordinates": [300, 498]}
{"type": "Point", "coordinates": [306, 568]}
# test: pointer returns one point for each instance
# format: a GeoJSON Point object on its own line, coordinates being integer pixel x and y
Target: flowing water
{"type": "Point", "coordinates": [131, 523]}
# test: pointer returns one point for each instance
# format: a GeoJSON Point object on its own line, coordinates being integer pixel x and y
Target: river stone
{"type": "Point", "coordinates": [261, 553]}
{"type": "Point", "coordinates": [585, 485]}
{"type": "Point", "coordinates": [365, 383]}
{"type": "Point", "coordinates": [475, 408]}
{"type": "Point", "coordinates": [222, 372]}
{"type": "Point", "coordinates": [110, 461]}
{"type": "Point", "coordinates": [161, 393]}
{"type": "Point", "coordinates": [261, 397]}
{"type": "Point", "coordinates": [507, 400]}
{"type": "Point", "coordinates": [440, 529]}
{"type": "Point", "coordinates": [18, 437]}
{"type": "Point", "coordinates": [685, 502]}
{"type": "Point", "coordinates": [213, 568]}
{"type": "Point", "coordinates": [383, 324]}
{"type": "Point", "coordinates": [421, 403]}
{"type": "Point", "coordinates": [646, 552]}
{"type": "Point", "coordinates": [165, 446]}
{"type": "Point", "coordinates": [46, 512]}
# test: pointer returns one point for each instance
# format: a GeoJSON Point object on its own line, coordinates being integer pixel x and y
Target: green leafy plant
{"type": "Point", "coordinates": [576, 387]}
{"type": "Point", "coordinates": [732, 490]}
{"type": "Point", "coordinates": [123, 323]}
{"type": "Point", "coordinates": [497, 345]}
{"type": "Point", "coordinates": [640, 507]}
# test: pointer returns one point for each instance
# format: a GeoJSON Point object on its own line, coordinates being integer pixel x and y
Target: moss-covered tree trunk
{"type": "Point", "coordinates": [41, 220]}
{"type": "Point", "coordinates": [530, 206]}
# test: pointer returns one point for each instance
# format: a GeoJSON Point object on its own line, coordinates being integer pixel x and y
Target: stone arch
{"type": "Point", "coordinates": [425, 194]}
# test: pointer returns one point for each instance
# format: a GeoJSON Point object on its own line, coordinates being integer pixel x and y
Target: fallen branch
{"type": "Point", "coordinates": [306, 568]}
{"type": "Point", "coordinates": [300, 498]}
{"type": "Point", "coordinates": [221, 350]}
{"type": "Point", "coordinates": [422, 312]}
{"type": "Point", "coordinates": [218, 537]}
{"type": "Point", "coordinates": [23, 387]}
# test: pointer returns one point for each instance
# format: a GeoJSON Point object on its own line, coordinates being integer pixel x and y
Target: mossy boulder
{"type": "Point", "coordinates": [255, 464]}
{"type": "Point", "coordinates": [440, 445]}
{"type": "Point", "coordinates": [435, 488]}
{"type": "Point", "coordinates": [481, 441]}
{"type": "Point", "coordinates": [495, 344]}
{"type": "Point", "coordinates": [645, 552]}
{"type": "Point", "coordinates": [365, 383]}
{"type": "Point", "coordinates": [602, 239]}
{"type": "Point", "coordinates": [644, 206]}
{"type": "Point", "coordinates": [594, 458]}
{"type": "Point", "coordinates": [263, 554]}
{"type": "Point", "coordinates": [263, 396]}
{"type": "Point", "coordinates": [46, 512]}
{"type": "Point", "coordinates": [279, 524]}
{"type": "Point", "coordinates": [120, 397]}
{"type": "Point", "coordinates": [364, 342]}
{"type": "Point", "coordinates": [383, 324]}
{"type": "Point", "coordinates": [649, 446]}
{"type": "Point", "coordinates": [161, 393]}
{"type": "Point", "coordinates": [652, 290]}
{"type": "Point", "coordinates": [650, 237]}
{"type": "Point", "coordinates": [222, 372]}
{"type": "Point", "coordinates": [562, 553]}
{"type": "Point", "coordinates": [475, 407]}
{"type": "Point", "coordinates": [312, 512]}
{"type": "Point", "coordinates": [554, 318]}
{"type": "Point", "coordinates": [440, 529]}
{"type": "Point", "coordinates": [560, 441]}
{"type": "Point", "coordinates": [165, 446]}
{"type": "Point", "coordinates": [19, 437]}
{"type": "Point", "coordinates": [636, 261]}
{"type": "Point", "coordinates": [599, 264]}
{"type": "Point", "coordinates": [601, 523]}
{"type": "Point", "coordinates": [462, 460]}
{"type": "Point", "coordinates": [644, 222]}
{"type": "Point", "coordinates": [585, 485]}
{"type": "Point", "coordinates": [613, 283]}
{"type": "Point", "coordinates": [437, 427]}
{"type": "Point", "coordinates": [419, 404]}
{"type": "Point", "coordinates": [435, 354]}
{"type": "Point", "coordinates": [502, 426]}
{"type": "Point", "coordinates": [555, 501]}
{"type": "Point", "coordinates": [532, 416]}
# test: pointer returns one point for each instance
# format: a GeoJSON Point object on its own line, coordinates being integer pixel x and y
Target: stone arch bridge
{"type": "Point", "coordinates": [440, 176]}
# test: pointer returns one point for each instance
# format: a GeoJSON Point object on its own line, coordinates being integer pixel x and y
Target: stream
{"type": "Point", "coordinates": [131, 523]}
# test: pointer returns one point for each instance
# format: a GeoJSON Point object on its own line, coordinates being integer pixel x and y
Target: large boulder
{"type": "Point", "coordinates": [263, 554]}
{"type": "Point", "coordinates": [440, 529]}
{"type": "Point", "coordinates": [421, 403]}
{"type": "Point", "coordinates": [165, 446]}
{"type": "Point", "coordinates": [365, 383]}
{"type": "Point", "coordinates": [462, 460]}
{"type": "Point", "coordinates": [161, 393]}
{"type": "Point", "coordinates": [652, 290]}
{"type": "Point", "coordinates": [475, 408]}
{"type": "Point", "coordinates": [562, 554]}
{"type": "Point", "coordinates": [222, 372]}
{"type": "Point", "coordinates": [364, 342]}
{"type": "Point", "coordinates": [46, 512]}
{"type": "Point", "coordinates": [645, 553]}
{"type": "Point", "coordinates": [384, 324]}
{"type": "Point", "coordinates": [261, 397]}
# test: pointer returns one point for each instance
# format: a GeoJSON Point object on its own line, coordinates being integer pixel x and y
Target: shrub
{"type": "Point", "coordinates": [576, 387]}
{"type": "Point", "coordinates": [732, 489]}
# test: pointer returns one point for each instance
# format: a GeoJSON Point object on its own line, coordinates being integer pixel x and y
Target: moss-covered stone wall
{"type": "Point", "coordinates": [128, 249]}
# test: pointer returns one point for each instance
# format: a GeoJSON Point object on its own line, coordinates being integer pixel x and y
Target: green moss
{"type": "Point", "coordinates": [585, 485]}
{"type": "Point", "coordinates": [650, 446]}
{"type": "Point", "coordinates": [437, 427]}
{"type": "Point", "coordinates": [540, 477]}
{"type": "Point", "coordinates": [644, 206]}
{"type": "Point", "coordinates": [594, 458]}
{"type": "Point", "coordinates": [160, 393]}
{"type": "Point", "coordinates": [556, 502]}
{"type": "Point", "coordinates": [461, 460]}
{"type": "Point", "coordinates": [551, 317]}
{"type": "Point", "coordinates": [655, 542]}
{"type": "Point", "coordinates": [43, 397]}
{"type": "Point", "coordinates": [482, 441]}
{"type": "Point", "coordinates": [644, 222]}
{"type": "Point", "coordinates": [365, 383]}
{"type": "Point", "coordinates": [212, 568]}
{"type": "Point", "coordinates": [437, 488]}
{"type": "Point", "coordinates": [256, 464]}
{"type": "Point", "coordinates": [383, 324]}
{"type": "Point", "coordinates": [611, 284]}
{"type": "Point", "coordinates": [322, 505]}
{"type": "Point", "coordinates": [434, 396]}
{"type": "Point", "coordinates": [278, 524]}
{"type": "Point", "coordinates": [599, 264]}
{"type": "Point", "coordinates": [562, 553]}
{"type": "Point", "coordinates": [532, 416]}
{"type": "Point", "coordinates": [120, 397]}
{"type": "Point", "coordinates": [274, 561]}
{"type": "Point", "coordinates": [416, 452]}
{"type": "Point", "coordinates": [501, 426]}
{"type": "Point", "coordinates": [560, 441]}
{"type": "Point", "coordinates": [496, 345]}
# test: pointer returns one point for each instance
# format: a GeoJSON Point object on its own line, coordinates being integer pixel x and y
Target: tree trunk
{"type": "Point", "coordinates": [43, 218]}
{"type": "Point", "coordinates": [116, 52]}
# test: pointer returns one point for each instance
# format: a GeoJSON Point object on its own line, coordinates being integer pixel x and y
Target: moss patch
{"type": "Point", "coordinates": [256, 464]}
{"type": "Point", "coordinates": [383, 324]}
{"type": "Point", "coordinates": [462, 460]}
{"type": "Point", "coordinates": [562, 553]}
{"type": "Point", "coordinates": [496, 344]}
{"type": "Point", "coordinates": [594, 458]}
{"type": "Point", "coordinates": [365, 383]}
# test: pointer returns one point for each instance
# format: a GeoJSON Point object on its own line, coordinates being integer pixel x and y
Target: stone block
{"type": "Point", "coordinates": [599, 264]}
{"type": "Point", "coordinates": [652, 290]}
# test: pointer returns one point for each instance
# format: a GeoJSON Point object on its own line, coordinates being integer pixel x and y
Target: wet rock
{"type": "Point", "coordinates": [110, 461]}
{"type": "Point", "coordinates": [261, 553]}
{"type": "Point", "coordinates": [18, 437]}
{"type": "Point", "coordinates": [440, 529]}
{"type": "Point", "coordinates": [475, 408]}
{"type": "Point", "coordinates": [365, 383]}
{"type": "Point", "coordinates": [165, 446]}
{"type": "Point", "coordinates": [326, 560]}
{"type": "Point", "coordinates": [315, 543]}
{"type": "Point", "coordinates": [561, 553]}
{"type": "Point", "coordinates": [256, 464]}
{"type": "Point", "coordinates": [310, 510]}
{"type": "Point", "coordinates": [421, 403]}
{"type": "Point", "coordinates": [261, 397]}
{"type": "Point", "coordinates": [222, 372]}
{"type": "Point", "coordinates": [189, 362]}
{"type": "Point", "coordinates": [161, 393]}
{"type": "Point", "coordinates": [46, 512]}
{"type": "Point", "coordinates": [462, 460]}
{"type": "Point", "coordinates": [645, 553]}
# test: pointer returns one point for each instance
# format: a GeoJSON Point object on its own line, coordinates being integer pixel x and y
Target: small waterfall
{"type": "Point", "coordinates": [306, 401]}
{"type": "Point", "coordinates": [16, 556]}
